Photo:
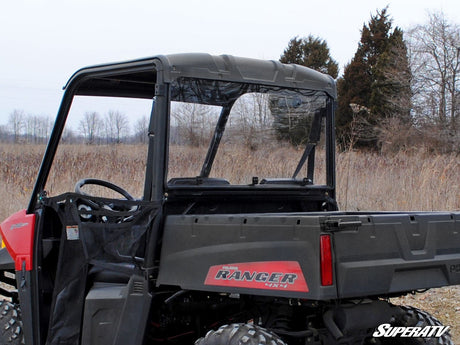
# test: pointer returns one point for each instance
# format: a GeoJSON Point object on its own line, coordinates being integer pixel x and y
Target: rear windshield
{"type": "Point", "coordinates": [238, 133]}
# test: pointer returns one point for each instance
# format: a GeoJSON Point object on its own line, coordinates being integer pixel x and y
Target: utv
{"type": "Point", "coordinates": [239, 243]}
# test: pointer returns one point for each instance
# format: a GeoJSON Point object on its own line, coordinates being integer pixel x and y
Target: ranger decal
{"type": "Point", "coordinates": [267, 275]}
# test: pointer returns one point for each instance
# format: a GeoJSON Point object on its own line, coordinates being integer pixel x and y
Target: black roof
{"type": "Point", "coordinates": [137, 78]}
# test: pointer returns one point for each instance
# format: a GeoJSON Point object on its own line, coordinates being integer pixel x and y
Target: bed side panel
{"type": "Point", "coordinates": [263, 255]}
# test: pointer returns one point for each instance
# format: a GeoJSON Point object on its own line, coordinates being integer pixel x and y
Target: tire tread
{"type": "Point", "coordinates": [10, 324]}
{"type": "Point", "coordinates": [240, 334]}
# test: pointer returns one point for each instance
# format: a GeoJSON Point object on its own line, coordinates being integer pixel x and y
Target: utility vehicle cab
{"type": "Point", "coordinates": [214, 208]}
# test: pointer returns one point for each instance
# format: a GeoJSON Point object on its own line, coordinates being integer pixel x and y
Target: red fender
{"type": "Point", "coordinates": [18, 235]}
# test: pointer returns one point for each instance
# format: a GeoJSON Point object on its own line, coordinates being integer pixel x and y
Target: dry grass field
{"type": "Point", "coordinates": [365, 181]}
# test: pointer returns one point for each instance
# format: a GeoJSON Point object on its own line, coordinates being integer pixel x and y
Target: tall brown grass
{"type": "Point", "coordinates": [401, 181]}
{"type": "Point", "coordinates": [365, 181]}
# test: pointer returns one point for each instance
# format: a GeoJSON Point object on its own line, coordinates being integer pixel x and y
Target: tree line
{"type": "Point", "coordinates": [113, 128]}
{"type": "Point", "coordinates": [94, 128]}
{"type": "Point", "coordinates": [34, 129]}
{"type": "Point", "coordinates": [400, 89]}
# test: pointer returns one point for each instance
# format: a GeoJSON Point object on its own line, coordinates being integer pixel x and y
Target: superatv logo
{"type": "Point", "coordinates": [269, 275]}
{"type": "Point", "coordinates": [388, 331]}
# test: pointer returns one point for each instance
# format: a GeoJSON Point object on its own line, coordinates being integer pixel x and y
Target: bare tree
{"type": "Point", "coordinates": [116, 126]}
{"type": "Point", "coordinates": [121, 126]}
{"type": "Point", "coordinates": [16, 122]}
{"type": "Point", "coordinates": [141, 129]}
{"type": "Point", "coordinates": [37, 128]}
{"type": "Point", "coordinates": [90, 126]}
{"type": "Point", "coordinates": [194, 123]}
{"type": "Point", "coordinates": [434, 50]}
{"type": "Point", "coordinates": [69, 136]}
{"type": "Point", "coordinates": [109, 128]}
{"type": "Point", "coordinates": [31, 128]}
{"type": "Point", "coordinates": [44, 128]}
{"type": "Point", "coordinates": [252, 118]}
{"type": "Point", "coordinates": [3, 133]}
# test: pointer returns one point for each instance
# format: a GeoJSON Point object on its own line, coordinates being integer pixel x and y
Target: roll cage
{"type": "Point", "coordinates": [152, 78]}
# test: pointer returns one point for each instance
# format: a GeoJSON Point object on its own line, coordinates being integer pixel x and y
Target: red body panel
{"type": "Point", "coordinates": [18, 235]}
{"type": "Point", "coordinates": [268, 275]}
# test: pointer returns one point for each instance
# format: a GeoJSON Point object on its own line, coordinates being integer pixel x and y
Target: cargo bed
{"type": "Point", "coordinates": [374, 253]}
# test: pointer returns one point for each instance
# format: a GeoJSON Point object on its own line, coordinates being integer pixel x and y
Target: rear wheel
{"type": "Point", "coordinates": [239, 334]}
{"type": "Point", "coordinates": [414, 317]}
{"type": "Point", "coordinates": [10, 324]}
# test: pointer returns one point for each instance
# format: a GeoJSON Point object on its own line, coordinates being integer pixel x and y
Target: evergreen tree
{"type": "Point", "coordinates": [294, 125]}
{"type": "Point", "coordinates": [375, 85]}
{"type": "Point", "coordinates": [312, 52]}
{"type": "Point", "coordinates": [294, 52]}
{"type": "Point", "coordinates": [390, 91]}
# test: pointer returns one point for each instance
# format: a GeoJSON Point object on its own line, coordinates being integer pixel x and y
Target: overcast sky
{"type": "Point", "coordinates": [43, 42]}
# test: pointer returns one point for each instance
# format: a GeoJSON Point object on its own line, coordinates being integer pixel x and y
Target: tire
{"type": "Point", "coordinates": [10, 324]}
{"type": "Point", "coordinates": [240, 334]}
{"type": "Point", "coordinates": [411, 317]}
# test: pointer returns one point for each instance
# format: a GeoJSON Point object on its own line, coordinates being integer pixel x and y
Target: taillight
{"type": "Point", "coordinates": [326, 260]}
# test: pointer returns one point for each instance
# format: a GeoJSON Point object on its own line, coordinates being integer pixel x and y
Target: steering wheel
{"type": "Point", "coordinates": [106, 184]}
{"type": "Point", "coordinates": [88, 205]}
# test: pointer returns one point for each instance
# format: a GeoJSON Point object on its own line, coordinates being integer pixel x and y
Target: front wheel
{"type": "Point", "coordinates": [240, 333]}
{"type": "Point", "coordinates": [10, 324]}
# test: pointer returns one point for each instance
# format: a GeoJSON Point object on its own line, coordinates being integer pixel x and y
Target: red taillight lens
{"type": "Point", "coordinates": [326, 260]}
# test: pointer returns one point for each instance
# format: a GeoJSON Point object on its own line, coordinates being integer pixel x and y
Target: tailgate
{"type": "Point", "coordinates": [384, 253]}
